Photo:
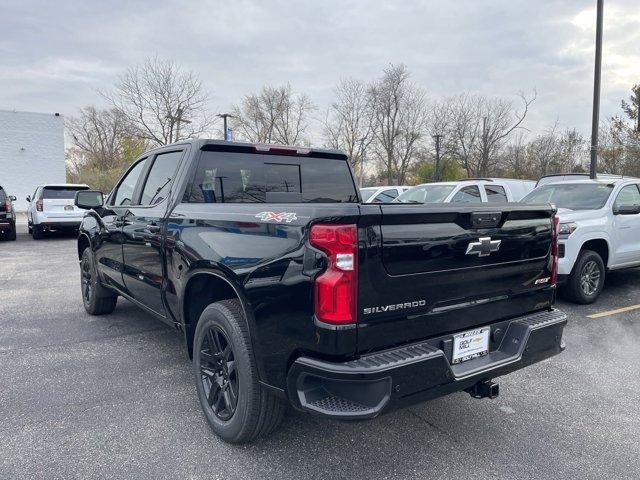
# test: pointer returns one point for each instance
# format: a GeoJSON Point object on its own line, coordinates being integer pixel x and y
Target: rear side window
{"type": "Point", "coordinates": [159, 178]}
{"type": "Point", "coordinates": [470, 194]}
{"type": "Point", "coordinates": [495, 194]}
{"type": "Point", "coordinates": [66, 193]}
{"type": "Point", "coordinates": [3, 196]}
{"type": "Point", "coordinates": [229, 177]}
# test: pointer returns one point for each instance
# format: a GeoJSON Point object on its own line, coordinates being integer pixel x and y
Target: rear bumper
{"type": "Point", "coordinates": [6, 225]}
{"type": "Point", "coordinates": [71, 224]}
{"type": "Point", "coordinates": [371, 384]}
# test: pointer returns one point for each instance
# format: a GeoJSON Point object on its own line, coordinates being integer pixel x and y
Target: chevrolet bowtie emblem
{"type": "Point", "coordinates": [483, 247]}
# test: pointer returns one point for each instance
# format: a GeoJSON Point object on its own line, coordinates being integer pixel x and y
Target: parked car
{"type": "Point", "coordinates": [599, 230]}
{"type": "Point", "coordinates": [7, 216]}
{"type": "Point", "coordinates": [561, 177]}
{"type": "Point", "coordinates": [381, 194]}
{"type": "Point", "coordinates": [287, 290]}
{"type": "Point", "coordinates": [472, 190]}
{"type": "Point", "coordinates": [51, 209]}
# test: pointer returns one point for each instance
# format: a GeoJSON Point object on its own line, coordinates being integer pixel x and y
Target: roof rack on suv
{"type": "Point", "coordinates": [475, 179]}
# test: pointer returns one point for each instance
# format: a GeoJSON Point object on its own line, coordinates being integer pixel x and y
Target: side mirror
{"type": "Point", "coordinates": [28, 198]}
{"type": "Point", "coordinates": [626, 210]}
{"type": "Point", "coordinates": [12, 198]}
{"type": "Point", "coordinates": [88, 199]}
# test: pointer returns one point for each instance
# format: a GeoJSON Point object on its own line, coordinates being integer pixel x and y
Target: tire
{"type": "Point", "coordinates": [224, 367]}
{"type": "Point", "coordinates": [37, 232]}
{"type": "Point", "coordinates": [97, 300]}
{"type": "Point", "coordinates": [11, 234]}
{"type": "Point", "coordinates": [581, 289]}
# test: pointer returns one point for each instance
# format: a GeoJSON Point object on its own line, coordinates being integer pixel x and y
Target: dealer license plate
{"type": "Point", "coordinates": [471, 344]}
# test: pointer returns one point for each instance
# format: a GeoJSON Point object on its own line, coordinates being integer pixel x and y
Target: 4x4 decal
{"type": "Point", "coordinates": [277, 217]}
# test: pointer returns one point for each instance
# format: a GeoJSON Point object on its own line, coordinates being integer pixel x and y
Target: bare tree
{"type": "Point", "coordinates": [438, 127]}
{"type": "Point", "coordinates": [274, 115]}
{"type": "Point", "coordinates": [480, 127]}
{"type": "Point", "coordinates": [515, 162]}
{"type": "Point", "coordinates": [101, 135]}
{"type": "Point", "coordinates": [162, 102]}
{"type": "Point", "coordinates": [499, 120]}
{"type": "Point", "coordinates": [464, 128]}
{"type": "Point", "coordinates": [348, 125]}
{"type": "Point", "coordinates": [399, 120]}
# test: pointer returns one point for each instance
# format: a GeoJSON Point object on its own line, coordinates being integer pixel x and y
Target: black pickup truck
{"type": "Point", "coordinates": [288, 290]}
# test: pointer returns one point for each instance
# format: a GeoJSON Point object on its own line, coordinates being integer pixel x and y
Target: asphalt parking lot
{"type": "Point", "coordinates": [113, 397]}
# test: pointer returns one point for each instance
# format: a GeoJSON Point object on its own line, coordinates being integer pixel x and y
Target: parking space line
{"type": "Point", "coordinates": [614, 312]}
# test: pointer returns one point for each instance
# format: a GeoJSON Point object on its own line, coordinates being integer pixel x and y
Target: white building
{"type": "Point", "coordinates": [31, 152]}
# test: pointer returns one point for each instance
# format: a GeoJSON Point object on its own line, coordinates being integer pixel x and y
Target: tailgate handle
{"type": "Point", "coordinates": [485, 219]}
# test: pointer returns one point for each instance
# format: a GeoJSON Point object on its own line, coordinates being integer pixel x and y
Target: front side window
{"type": "Point", "coordinates": [629, 195]}
{"type": "Point", "coordinates": [470, 194]}
{"type": "Point", "coordinates": [159, 179]}
{"type": "Point", "coordinates": [495, 194]}
{"type": "Point", "coordinates": [126, 188]}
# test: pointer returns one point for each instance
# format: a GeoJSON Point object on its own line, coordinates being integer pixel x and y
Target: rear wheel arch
{"type": "Point", "coordinates": [201, 290]}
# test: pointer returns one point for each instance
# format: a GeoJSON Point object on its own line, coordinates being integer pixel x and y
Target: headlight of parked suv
{"type": "Point", "coordinates": [567, 228]}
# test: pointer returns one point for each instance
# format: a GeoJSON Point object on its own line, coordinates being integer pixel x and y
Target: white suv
{"type": "Point", "coordinates": [472, 190]}
{"type": "Point", "coordinates": [51, 208]}
{"type": "Point", "coordinates": [599, 230]}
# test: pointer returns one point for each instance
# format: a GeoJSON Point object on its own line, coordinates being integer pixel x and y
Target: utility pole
{"type": "Point", "coordinates": [177, 119]}
{"type": "Point", "coordinates": [595, 120]}
{"type": "Point", "coordinates": [437, 138]}
{"type": "Point", "coordinates": [224, 117]}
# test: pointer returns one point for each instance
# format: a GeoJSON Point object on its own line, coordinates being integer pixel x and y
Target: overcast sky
{"type": "Point", "coordinates": [54, 55]}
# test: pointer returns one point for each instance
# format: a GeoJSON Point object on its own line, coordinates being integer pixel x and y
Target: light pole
{"type": "Point", "coordinates": [595, 119]}
{"type": "Point", "coordinates": [437, 138]}
{"type": "Point", "coordinates": [177, 118]}
{"type": "Point", "coordinates": [224, 117]}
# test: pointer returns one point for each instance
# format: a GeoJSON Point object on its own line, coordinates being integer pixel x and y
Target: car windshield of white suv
{"type": "Point", "coordinates": [425, 194]}
{"type": "Point", "coordinates": [582, 196]}
{"type": "Point", "coordinates": [366, 193]}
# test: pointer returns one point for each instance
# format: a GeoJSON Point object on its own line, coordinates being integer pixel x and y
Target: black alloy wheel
{"type": "Point", "coordinates": [86, 279]}
{"type": "Point", "coordinates": [219, 373]}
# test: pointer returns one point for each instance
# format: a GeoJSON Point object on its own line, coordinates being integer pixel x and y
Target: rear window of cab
{"type": "Point", "coordinates": [233, 177]}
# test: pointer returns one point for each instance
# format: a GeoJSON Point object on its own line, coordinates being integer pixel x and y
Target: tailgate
{"type": "Point", "coordinates": [426, 270]}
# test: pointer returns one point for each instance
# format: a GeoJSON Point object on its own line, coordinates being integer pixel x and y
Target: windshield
{"type": "Point", "coordinates": [583, 196]}
{"type": "Point", "coordinates": [366, 193]}
{"type": "Point", "coordinates": [426, 194]}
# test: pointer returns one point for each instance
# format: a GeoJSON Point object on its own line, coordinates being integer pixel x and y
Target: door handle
{"type": "Point", "coordinates": [153, 228]}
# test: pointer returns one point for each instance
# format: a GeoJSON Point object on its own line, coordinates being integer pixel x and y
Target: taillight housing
{"type": "Point", "coordinates": [336, 289]}
{"type": "Point", "coordinates": [554, 249]}
{"type": "Point", "coordinates": [39, 205]}
{"type": "Point", "coordinates": [8, 206]}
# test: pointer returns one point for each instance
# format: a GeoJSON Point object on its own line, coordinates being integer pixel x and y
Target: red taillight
{"type": "Point", "coordinates": [8, 206]}
{"type": "Point", "coordinates": [336, 289]}
{"type": "Point", "coordinates": [554, 249]}
{"type": "Point", "coordinates": [39, 205]}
